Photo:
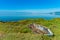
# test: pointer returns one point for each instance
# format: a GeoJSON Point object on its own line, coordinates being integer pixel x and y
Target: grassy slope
{"type": "Point", "coordinates": [20, 31]}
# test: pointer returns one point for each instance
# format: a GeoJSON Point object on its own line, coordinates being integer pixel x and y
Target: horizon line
{"type": "Point", "coordinates": [34, 10]}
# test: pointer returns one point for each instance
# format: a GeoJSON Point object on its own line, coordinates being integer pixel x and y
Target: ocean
{"type": "Point", "coordinates": [16, 16]}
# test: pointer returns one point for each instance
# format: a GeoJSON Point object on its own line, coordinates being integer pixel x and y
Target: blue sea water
{"type": "Point", "coordinates": [16, 18]}
{"type": "Point", "coordinates": [22, 16]}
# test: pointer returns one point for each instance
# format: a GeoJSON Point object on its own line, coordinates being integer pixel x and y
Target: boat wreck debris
{"type": "Point", "coordinates": [40, 29]}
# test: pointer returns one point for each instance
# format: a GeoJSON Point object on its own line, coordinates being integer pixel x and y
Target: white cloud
{"type": "Point", "coordinates": [34, 10]}
{"type": "Point", "coordinates": [41, 10]}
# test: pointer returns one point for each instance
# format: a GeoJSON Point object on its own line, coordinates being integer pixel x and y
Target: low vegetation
{"type": "Point", "coordinates": [20, 30]}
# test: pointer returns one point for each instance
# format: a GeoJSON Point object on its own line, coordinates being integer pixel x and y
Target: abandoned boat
{"type": "Point", "coordinates": [40, 29]}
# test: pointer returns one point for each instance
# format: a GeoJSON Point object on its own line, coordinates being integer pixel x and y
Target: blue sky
{"type": "Point", "coordinates": [29, 4]}
{"type": "Point", "coordinates": [10, 7]}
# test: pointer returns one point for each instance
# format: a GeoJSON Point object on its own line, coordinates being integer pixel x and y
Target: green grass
{"type": "Point", "coordinates": [20, 30]}
{"type": "Point", "coordinates": [24, 36]}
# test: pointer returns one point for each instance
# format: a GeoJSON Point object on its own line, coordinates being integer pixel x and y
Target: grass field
{"type": "Point", "coordinates": [20, 31]}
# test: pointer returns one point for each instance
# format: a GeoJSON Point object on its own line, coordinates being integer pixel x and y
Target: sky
{"type": "Point", "coordinates": [29, 6]}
